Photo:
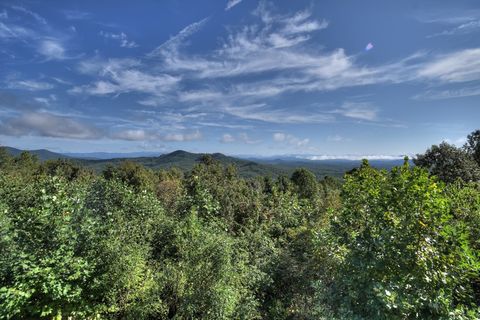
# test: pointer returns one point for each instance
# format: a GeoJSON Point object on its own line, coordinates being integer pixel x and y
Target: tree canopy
{"type": "Point", "coordinates": [133, 243]}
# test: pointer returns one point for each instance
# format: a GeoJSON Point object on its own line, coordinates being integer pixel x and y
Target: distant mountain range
{"type": "Point", "coordinates": [42, 154]}
{"type": "Point", "coordinates": [272, 166]}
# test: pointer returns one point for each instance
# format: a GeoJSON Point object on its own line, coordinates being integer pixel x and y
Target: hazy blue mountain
{"type": "Point", "coordinates": [185, 161]}
{"type": "Point", "coordinates": [42, 154]}
{"type": "Point", "coordinates": [109, 155]}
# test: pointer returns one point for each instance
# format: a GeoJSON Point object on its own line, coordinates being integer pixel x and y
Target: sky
{"type": "Point", "coordinates": [242, 77]}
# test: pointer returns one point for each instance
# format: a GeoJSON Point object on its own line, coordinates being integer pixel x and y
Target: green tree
{"type": "Point", "coordinates": [6, 159]}
{"type": "Point", "coordinates": [305, 182]}
{"type": "Point", "coordinates": [472, 146]}
{"type": "Point", "coordinates": [133, 174]}
{"type": "Point", "coordinates": [41, 276]}
{"type": "Point", "coordinates": [205, 272]}
{"type": "Point", "coordinates": [65, 168]}
{"type": "Point", "coordinates": [449, 163]}
{"type": "Point", "coordinates": [400, 253]}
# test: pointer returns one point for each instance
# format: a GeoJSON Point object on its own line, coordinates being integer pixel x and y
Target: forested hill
{"type": "Point", "coordinates": [253, 167]}
{"type": "Point", "coordinates": [246, 167]}
{"type": "Point", "coordinates": [185, 161]}
{"type": "Point", "coordinates": [42, 154]}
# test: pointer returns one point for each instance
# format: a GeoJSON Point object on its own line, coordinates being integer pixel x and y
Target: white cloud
{"type": "Point", "coordinates": [231, 4]}
{"type": "Point", "coordinates": [48, 125]}
{"type": "Point", "coordinates": [358, 110]}
{"type": "Point", "coordinates": [252, 49]}
{"type": "Point", "coordinates": [34, 15]}
{"type": "Point", "coordinates": [245, 138]}
{"type": "Point", "coordinates": [30, 85]}
{"type": "Point", "coordinates": [151, 135]}
{"type": "Point", "coordinates": [262, 112]}
{"type": "Point", "coordinates": [52, 49]}
{"type": "Point", "coordinates": [355, 157]}
{"type": "Point", "coordinates": [15, 32]}
{"type": "Point", "coordinates": [279, 137]}
{"type": "Point", "coordinates": [3, 14]}
{"type": "Point", "coordinates": [77, 15]}
{"type": "Point", "coordinates": [46, 100]}
{"type": "Point", "coordinates": [448, 94]}
{"type": "Point", "coordinates": [459, 66]}
{"type": "Point", "coordinates": [121, 76]}
{"type": "Point", "coordinates": [274, 48]}
{"type": "Point", "coordinates": [336, 138]}
{"type": "Point", "coordinates": [299, 23]}
{"type": "Point", "coordinates": [179, 137]}
{"type": "Point", "coordinates": [458, 142]}
{"type": "Point", "coordinates": [200, 95]}
{"type": "Point", "coordinates": [290, 139]}
{"type": "Point", "coordinates": [241, 137]}
{"type": "Point", "coordinates": [42, 100]}
{"type": "Point", "coordinates": [131, 135]}
{"type": "Point", "coordinates": [227, 138]}
{"type": "Point", "coordinates": [169, 49]}
{"type": "Point", "coordinates": [464, 28]}
{"type": "Point", "coordinates": [120, 37]}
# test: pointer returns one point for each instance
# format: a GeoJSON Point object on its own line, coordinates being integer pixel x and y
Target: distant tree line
{"type": "Point", "coordinates": [133, 243]}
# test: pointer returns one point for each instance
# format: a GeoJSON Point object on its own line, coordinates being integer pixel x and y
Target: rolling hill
{"type": "Point", "coordinates": [251, 167]}
{"type": "Point", "coordinates": [185, 161]}
{"type": "Point", "coordinates": [42, 154]}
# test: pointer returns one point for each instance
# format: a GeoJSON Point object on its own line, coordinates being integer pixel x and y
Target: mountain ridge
{"type": "Point", "coordinates": [247, 167]}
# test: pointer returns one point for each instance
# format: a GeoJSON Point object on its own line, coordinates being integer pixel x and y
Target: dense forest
{"type": "Point", "coordinates": [137, 243]}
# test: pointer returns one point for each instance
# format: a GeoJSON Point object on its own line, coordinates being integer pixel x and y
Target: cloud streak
{"type": "Point", "coordinates": [231, 4]}
{"type": "Point", "coordinates": [48, 125]}
{"type": "Point", "coordinates": [30, 85]}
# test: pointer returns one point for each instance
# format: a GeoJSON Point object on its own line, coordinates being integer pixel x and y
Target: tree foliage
{"type": "Point", "coordinates": [472, 146]}
{"type": "Point", "coordinates": [449, 163]}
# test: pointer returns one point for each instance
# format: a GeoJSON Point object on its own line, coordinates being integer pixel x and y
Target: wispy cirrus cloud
{"type": "Point", "coordinates": [30, 85]}
{"type": "Point", "coordinates": [459, 66]}
{"type": "Point", "coordinates": [52, 49]}
{"type": "Point", "coordinates": [231, 4]}
{"type": "Point", "coordinates": [47, 101]}
{"type": "Point", "coordinates": [30, 13]}
{"type": "Point", "coordinates": [33, 31]}
{"type": "Point", "coordinates": [77, 15]}
{"type": "Point", "coordinates": [254, 63]}
{"type": "Point", "coordinates": [123, 75]}
{"type": "Point", "coordinates": [455, 22]}
{"type": "Point", "coordinates": [169, 49]}
{"type": "Point", "coordinates": [264, 113]}
{"type": "Point", "coordinates": [252, 49]}
{"type": "Point", "coordinates": [358, 110]}
{"type": "Point", "coordinates": [15, 32]}
{"type": "Point", "coordinates": [464, 28]}
{"type": "Point", "coordinates": [448, 93]}
{"type": "Point", "coordinates": [120, 37]}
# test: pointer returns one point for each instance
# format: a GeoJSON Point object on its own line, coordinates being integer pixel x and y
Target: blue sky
{"type": "Point", "coordinates": [239, 77]}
